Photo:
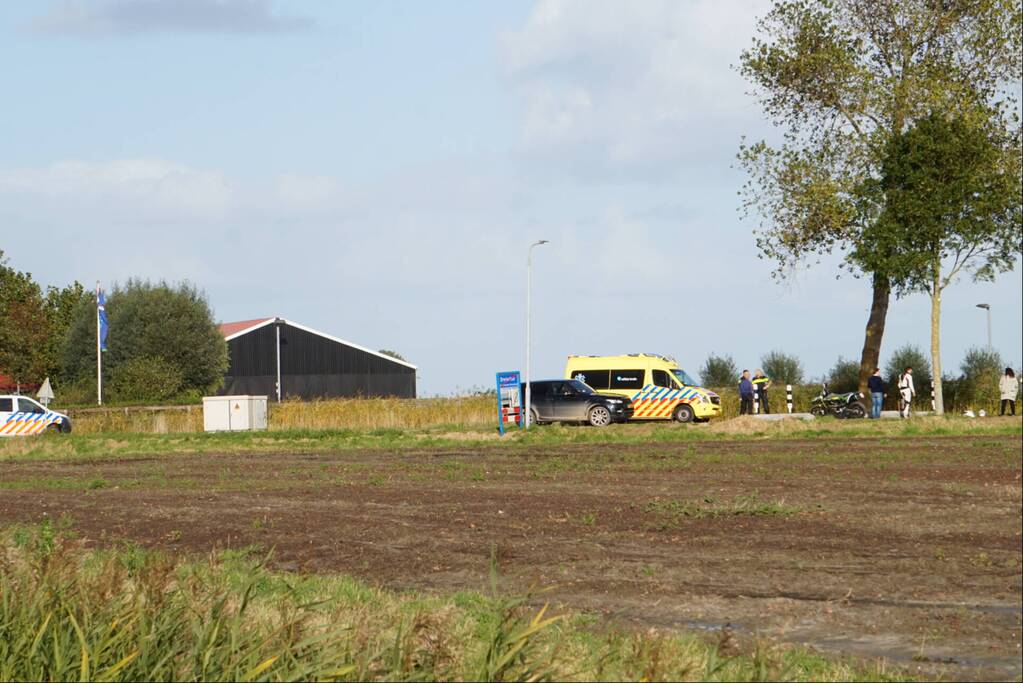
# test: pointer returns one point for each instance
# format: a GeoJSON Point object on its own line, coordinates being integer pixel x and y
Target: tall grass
{"type": "Point", "coordinates": [68, 613]}
{"type": "Point", "coordinates": [354, 413]}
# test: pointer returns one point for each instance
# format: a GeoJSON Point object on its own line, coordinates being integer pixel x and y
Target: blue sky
{"type": "Point", "coordinates": [376, 170]}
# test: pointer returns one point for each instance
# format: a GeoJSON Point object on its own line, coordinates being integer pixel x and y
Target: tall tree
{"type": "Point", "coordinates": [170, 325]}
{"type": "Point", "coordinates": [842, 78]}
{"type": "Point", "coordinates": [24, 327]}
{"type": "Point", "coordinates": [953, 189]}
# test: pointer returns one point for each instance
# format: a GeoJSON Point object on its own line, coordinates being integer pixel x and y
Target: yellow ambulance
{"type": "Point", "coordinates": [658, 387]}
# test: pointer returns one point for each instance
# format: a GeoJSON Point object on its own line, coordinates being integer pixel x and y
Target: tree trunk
{"type": "Point", "coordinates": [871, 355]}
{"type": "Point", "coordinates": [939, 405]}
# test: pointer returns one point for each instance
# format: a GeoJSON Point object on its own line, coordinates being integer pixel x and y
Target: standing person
{"type": "Point", "coordinates": [1009, 386]}
{"type": "Point", "coordinates": [876, 386]}
{"type": "Point", "coordinates": [906, 391]}
{"type": "Point", "coordinates": [761, 383]}
{"type": "Point", "coordinates": [745, 394]}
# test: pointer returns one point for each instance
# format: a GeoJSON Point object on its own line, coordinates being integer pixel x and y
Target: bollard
{"type": "Point", "coordinates": [788, 396]}
{"type": "Point", "coordinates": [934, 406]}
{"type": "Point", "coordinates": [756, 401]}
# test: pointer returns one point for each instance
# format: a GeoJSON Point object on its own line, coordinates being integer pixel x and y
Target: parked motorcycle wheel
{"type": "Point", "coordinates": [817, 411]}
{"type": "Point", "coordinates": [855, 411]}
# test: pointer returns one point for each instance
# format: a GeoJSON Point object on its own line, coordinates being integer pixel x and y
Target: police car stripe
{"type": "Point", "coordinates": [22, 423]}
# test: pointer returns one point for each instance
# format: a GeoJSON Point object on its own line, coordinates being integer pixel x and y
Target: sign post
{"type": "Point", "coordinates": [509, 399]}
{"type": "Point", "coordinates": [45, 394]}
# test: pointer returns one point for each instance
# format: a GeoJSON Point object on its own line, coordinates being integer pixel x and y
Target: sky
{"type": "Point", "coordinates": [376, 170]}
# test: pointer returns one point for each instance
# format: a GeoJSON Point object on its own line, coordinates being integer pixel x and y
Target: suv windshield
{"type": "Point", "coordinates": [682, 377]}
{"type": "Point", "coordinates": [580, 388]}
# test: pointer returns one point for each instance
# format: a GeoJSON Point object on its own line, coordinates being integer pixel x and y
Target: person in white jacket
{"type": "Point", "coordinates": [1008, 385]}
{"type": "Point", "coordinates": [906, 391]}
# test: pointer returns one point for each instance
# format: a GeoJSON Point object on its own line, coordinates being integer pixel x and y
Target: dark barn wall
{"type": "Point", "coordinates": [311, 367]}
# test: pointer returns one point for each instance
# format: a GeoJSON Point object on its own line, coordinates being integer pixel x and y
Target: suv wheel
{"type": "Point", "coordinates": [534, 417]}
{"type": "Point", "coordinates": [684, 413]}
{"type": "Point", "coordinates": [599, 416]}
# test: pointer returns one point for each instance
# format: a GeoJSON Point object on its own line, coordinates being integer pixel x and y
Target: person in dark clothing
{"type": "Point", "coordinates": [745, 394]}
{"type": "Point", "coordinates": [761, 383]}
{"type": "Point", "coordinates": [876, 386]}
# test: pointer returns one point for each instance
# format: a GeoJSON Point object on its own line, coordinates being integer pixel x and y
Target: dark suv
{"type": "Point", "coordinates": [569, 400]}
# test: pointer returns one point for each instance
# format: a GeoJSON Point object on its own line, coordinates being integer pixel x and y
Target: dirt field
{"type": "Point", "coordinates": [903, 548]}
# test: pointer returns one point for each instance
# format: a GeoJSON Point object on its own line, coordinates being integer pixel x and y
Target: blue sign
{"type": "Point", "coordinates": [509, 399]}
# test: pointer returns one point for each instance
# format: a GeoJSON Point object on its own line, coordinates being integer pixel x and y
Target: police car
{"type": "Point", "coordinates": [22, 416]}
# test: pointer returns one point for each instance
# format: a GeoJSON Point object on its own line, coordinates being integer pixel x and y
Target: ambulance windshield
{"type": "Point", "coordinates": [682, 377]}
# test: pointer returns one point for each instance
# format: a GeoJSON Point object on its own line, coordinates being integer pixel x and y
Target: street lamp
{"type": "Point", "coordinates": [529, 276]}
{"type": "Point", "coordinates": [987, 307]}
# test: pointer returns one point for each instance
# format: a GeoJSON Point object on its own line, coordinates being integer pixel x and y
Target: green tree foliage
{"type": "Point", "coordinates": [145, 379]}
{"type": "Point", "coordinates": [953, 189]}
{"type": "Point", "coordinates": [908, 356]}
{"type": "Point", "coordinates": [719, 371]}
{"type": "Point", "coordinates": [32, 324]}
{"type": "Point", "coordinates": [782, 368]}
{"type": "Point", "coordinates": [844, 375]}
{"type": "Point", "coordinates": [24, 327]}
{"type": "Point", "coordinates": [982, 368]}
{"type": "Point", "coordinates": [393, 354]}
{"type": "Point", "coordinates": [842, 78]}
{"type": "Point", "coordinates": [162, 329]}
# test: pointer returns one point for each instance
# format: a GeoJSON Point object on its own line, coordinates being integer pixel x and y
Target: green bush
{"type": "Point", "coordinates": [782, 368]}
{"type": "Point", "coordinates": [909, 356]}
{"type": "Point", "coordinates": [719, 371]}
{"type": "Point", "coordinates": [844, 376]}
{"type": "Point", "coordinates": [144, 379]}
{"type": "Point", "coordinates": [982, 369]}
{"type": "Point", "coordinates": [149, 321]}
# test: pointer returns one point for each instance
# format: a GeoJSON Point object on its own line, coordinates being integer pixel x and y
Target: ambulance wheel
{"type": "Point", "coordinates": [599, 416]}
{"type": "Point", "coordinates": [684, 413]}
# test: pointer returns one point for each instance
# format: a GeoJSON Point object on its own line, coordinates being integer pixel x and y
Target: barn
{"type": "Point", "coordinates": [282, 359]}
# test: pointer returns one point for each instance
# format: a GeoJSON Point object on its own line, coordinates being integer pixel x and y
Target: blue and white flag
{"type": "Point", "coordinates": [101, 317]}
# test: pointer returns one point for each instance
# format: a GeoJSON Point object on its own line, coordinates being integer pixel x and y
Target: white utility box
{"type": "Point", "coordinates": [233, 413]}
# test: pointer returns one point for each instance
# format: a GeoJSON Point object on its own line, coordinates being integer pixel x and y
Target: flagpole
{"type": "Point", "coordinates": [99, 353]}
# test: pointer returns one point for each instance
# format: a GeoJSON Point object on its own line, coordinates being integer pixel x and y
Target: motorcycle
{"type": "Point", "coordinates": [842, 406]}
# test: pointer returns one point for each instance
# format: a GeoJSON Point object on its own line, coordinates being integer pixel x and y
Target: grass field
{"type": "Point", "coordinates": [835, 550]}
{"type": "Point", "coordinates": [112, 444]}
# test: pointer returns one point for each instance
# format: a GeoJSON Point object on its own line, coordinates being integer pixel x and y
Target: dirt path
{"type": "Point", "coordinates": [908, 549]}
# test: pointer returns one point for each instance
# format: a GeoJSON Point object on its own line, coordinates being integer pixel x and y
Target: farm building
{"type": "Point", "coordinates": [282, 359]}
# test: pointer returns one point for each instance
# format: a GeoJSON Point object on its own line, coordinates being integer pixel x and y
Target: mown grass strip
{"type": "Point", "coordinates": [127, 444]}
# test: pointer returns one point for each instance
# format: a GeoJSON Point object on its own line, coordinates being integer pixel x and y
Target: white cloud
{"type": "Point", "coordinates": [145, 190]}
{"type": "Point", "coordinates": [126, 17]}
{"type": "Point", "coordinates": [618, 86]}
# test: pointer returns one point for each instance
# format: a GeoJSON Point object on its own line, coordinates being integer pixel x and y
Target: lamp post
{"type": "Point", "coordinates": [529, 277]}
{"type": "Point", "coordinates": [987, 307]}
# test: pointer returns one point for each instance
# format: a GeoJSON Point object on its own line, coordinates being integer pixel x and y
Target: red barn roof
{"type": "Point", "coordinates": [228, 329]}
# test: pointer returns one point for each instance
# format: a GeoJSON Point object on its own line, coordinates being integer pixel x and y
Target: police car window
{"type": "Point", "coordinates": [627, 379]}
{"type": "Point", "coordinates": [598, 379]}
{"type": "Point", "coordinates": [6, 405]}
{"type": "Point", "coordinates": [27, 406]}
